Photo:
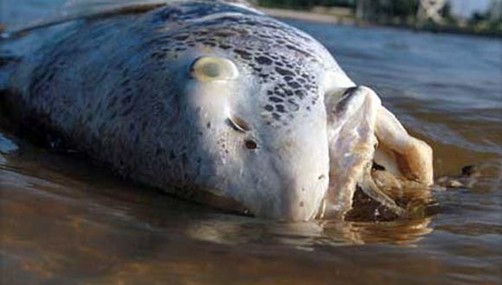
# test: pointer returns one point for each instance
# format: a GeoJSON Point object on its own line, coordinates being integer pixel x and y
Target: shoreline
{"type": "Point", "coordinates": [306, 16]}
{"type": "Point", "coordinates": [344, 20]}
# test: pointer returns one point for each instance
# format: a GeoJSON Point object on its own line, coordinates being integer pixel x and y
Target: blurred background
{"type": "Point", "coordinates": [460, 16]}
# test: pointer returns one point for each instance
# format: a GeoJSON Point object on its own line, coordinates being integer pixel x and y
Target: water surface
{"type": "Point", "coordinates": [64, 220]}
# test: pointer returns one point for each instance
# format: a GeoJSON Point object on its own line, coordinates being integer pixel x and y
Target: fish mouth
{"type": "Point", "coordinates": [370, 150]}
{"type": "Point", "coordinates": [379, 195]}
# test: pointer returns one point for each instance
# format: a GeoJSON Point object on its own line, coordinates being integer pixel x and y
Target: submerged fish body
{"type": "Point", "coordinates": [214, 102]}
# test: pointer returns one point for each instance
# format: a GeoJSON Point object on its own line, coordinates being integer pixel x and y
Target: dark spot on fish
{"type": "Point", "coordinates": [276, 99]}
{"type": "Point", "coordinates": [250, 144]}
{"type": "Point", "coordinates": [211, 44]}
{"type": "Point", "coordinates": [280, 108]}
{"type": "Point", "coordinates": [243, 54]}
{"type": "Point", "coordinates": [284, 72]}
{"type": "Point", "coordinates": [224, 34]}
{"type": "Point", "coordinates": [181, 37]}
{"type": "Point", "coordinates": [294, 84]}
{"type": "Point", "coordinates": [300, 93]}
{"type": "Point", "coordinates": [269, 108]}
{"type": "Point", "coordinates": [276, 116]}
{"type": "Point", "coordinates": [278, 92]}
{"type": "Point", "coordinates": [293, 106]}
{"type": "Point", "coordinates": [158, 55]}
{"type": "Point", "coordinates": [263, 60]}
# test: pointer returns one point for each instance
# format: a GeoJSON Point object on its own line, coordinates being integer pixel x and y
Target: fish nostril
{"type": "Point", "coordinates": [321, 177]}
{"type": "Point", "coordinates": [250, 144]}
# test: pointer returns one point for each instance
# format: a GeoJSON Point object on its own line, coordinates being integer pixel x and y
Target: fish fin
{"type": "Point", "coordinates": [351, 141]}
{"type": "Point", "coordinates": [400, 153]}
{"type": "Point", "coordinates": [92, 9]}
{"type": "Point", "coordinates": [79, 11]}
{"type": "Point", "coordinates": [352, 122]}
{"type": "Point", "coordinates": [369, 187]}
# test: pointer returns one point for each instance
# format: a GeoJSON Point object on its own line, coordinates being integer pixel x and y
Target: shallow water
{"type": "Point", "coordinates": [65, 221]}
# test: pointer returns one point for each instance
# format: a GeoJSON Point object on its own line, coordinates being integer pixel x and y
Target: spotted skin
{"type": "Point", "coordinates": [277, 54]}
{"type": "Point", "coordinates": [119, 89]}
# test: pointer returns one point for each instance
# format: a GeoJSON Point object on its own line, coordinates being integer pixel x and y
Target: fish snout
{"type": "Point", "coordinates": [302, 198]}
{"type": "Point", "coordinates": [294, 185]}
{"type": "Point", "coordinates": [299, 157]}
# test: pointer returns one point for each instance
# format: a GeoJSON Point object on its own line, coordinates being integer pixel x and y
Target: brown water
{"type": "Point", "coordinates": [66, 221]}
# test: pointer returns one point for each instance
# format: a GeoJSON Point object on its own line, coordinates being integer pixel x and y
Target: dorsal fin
{"type": "Point", "coordinates": [92, 9]}
{"type": "Point", "coordinates": [78, 12]}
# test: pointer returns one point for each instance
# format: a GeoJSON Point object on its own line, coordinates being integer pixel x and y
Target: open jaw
{"type": "Point", "coordinates": [371, 151]}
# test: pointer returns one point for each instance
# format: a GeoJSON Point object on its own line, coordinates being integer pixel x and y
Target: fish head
{"type": "Point", "coordinates": [252, 91]}
{"type": "Point", "coordinates": [263, 141]}
{"type": "Point", "coordinates": [266, 135]}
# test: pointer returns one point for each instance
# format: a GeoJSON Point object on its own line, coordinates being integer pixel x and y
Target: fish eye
{"type": "Point", "coordinates": [210, 68]}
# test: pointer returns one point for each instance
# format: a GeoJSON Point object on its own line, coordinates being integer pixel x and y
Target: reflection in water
{"type": "Point", "coordinates": [53, 179]}
{"type": "Point", "coordinates": [63, 219]}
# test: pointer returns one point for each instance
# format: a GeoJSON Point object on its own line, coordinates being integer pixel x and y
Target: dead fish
{"type": "Point", "coordinates": [212, 101]}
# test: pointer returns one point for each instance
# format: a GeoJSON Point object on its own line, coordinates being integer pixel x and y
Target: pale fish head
{"type": "Point", "coordinates": [251, 122]}
{"type": "Point", "coordinates": [251, 96]}
{"type": "Point", "coordinates": [264, 144]}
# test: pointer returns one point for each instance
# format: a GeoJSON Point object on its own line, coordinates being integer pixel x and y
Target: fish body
{"type": "Point", "coordinates": [209, 100]}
